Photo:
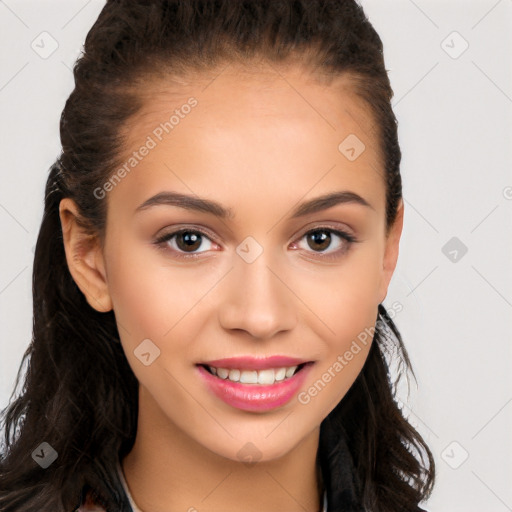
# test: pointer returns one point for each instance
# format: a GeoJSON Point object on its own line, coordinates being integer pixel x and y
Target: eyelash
{"type": "Point", "coordinates": [349, 239]}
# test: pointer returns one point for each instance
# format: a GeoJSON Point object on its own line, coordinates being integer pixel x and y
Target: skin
{"type": "Point", "coordinates": [259, 144]}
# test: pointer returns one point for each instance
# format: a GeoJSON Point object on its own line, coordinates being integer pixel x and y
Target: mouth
{"type": "Point", "coordinates": [266, 376]}
{"type": "Point", "coordinates": [255, 390]}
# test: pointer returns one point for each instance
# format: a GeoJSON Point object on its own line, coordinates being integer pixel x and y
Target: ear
{"type": "Point", "coordinates": [84, 257]}
{"type": "Point", "coordinates": [391, 252]}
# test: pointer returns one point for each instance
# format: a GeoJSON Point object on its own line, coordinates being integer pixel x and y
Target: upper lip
{"type": "Point", "coordinates": [255, 363]}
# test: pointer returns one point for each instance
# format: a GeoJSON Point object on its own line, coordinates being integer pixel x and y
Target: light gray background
{"type": "Point", "coordinates": [455, 112]}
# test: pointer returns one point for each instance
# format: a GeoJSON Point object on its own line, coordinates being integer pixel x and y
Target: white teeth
{"type": "Point", "coordinates": [281, 374]}
{"type": "Point", "coordinates": [222, 373]}
{"type": "Point", "coordinates": [234, 375]}
{"type": "Point", "coordinates": [268, 376]}
{"type": "Point", "coordinates": [249, 377]}
{"type": "Point", "coordinates": [290, 371]}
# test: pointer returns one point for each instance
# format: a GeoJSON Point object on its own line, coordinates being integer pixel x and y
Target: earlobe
{"type": "Point", "coordinates": [391, 252]}
{"type": "Point", "coordinates": [84, 258]}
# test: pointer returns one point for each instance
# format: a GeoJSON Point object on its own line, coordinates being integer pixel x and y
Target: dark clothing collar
{"type": "Point", "coordinates": [338, 470]}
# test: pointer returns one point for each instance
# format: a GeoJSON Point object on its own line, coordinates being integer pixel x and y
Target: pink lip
{"type": "Point", "coordinates": [255, 363]}
{"type": "Point", "coordinates": [254, 397]}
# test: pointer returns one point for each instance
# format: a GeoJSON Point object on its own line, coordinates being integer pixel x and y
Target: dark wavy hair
{"type": "Point", "coordinates": [80, 394]}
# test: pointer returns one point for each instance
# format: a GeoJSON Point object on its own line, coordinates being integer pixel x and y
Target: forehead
{"type": "Point", "coordinates": [269, 89]}
{"type": "Point", "coordinates": [244, 93]}
{"type": "Point", "coordinates": [252, 128]}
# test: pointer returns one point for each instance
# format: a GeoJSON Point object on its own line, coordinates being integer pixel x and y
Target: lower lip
{"type": "Point", "coordinates": [254, 397]}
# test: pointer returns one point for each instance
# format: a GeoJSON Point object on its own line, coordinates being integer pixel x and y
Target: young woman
{"type": "Point", "coordinates": [219, 235]}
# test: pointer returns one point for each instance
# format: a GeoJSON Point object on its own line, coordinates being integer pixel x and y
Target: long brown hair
{"type": "Point", "coordinates": [80, 395]}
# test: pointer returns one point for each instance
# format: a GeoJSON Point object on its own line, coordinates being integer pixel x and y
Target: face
{"type": "Point", "coordinates": [236, 265]}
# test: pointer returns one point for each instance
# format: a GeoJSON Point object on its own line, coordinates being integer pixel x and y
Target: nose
{"type": "Point", "coordinates": [257, 299]}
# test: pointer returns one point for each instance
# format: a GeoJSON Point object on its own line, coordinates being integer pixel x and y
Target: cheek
{"type": "Point", "coordinates": [134, 291]}
{"type": "Point", "coordinates": [154, 300]}
{"type": "Point", "coordinates": [345, 304]}
{"type": "Point", "coordinates": [346, 298]}
{"type": "Point", "coordinates": [142, 307]}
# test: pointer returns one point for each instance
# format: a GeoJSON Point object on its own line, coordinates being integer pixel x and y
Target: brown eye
{"type": "Point", "coordinates": [327, 242]}
{"type": "Point", "coordinates": [185, 242]}
{"type": "Point", "coordinates": [188, 240]}
{"type": "Point", "coordinates": [319, 240]}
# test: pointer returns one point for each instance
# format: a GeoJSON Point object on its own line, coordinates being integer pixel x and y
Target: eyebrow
{"type": "Point", "coordinates": [191, 202]}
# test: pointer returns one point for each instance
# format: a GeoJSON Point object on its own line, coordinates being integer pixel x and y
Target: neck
{"type": "Point", "coordinates": [168, 470]}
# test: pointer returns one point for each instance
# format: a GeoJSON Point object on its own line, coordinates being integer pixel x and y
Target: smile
{"type": "Point", "coordinates": [254, 390]}
{"type": "Point", "coordinates": [267, 376]}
